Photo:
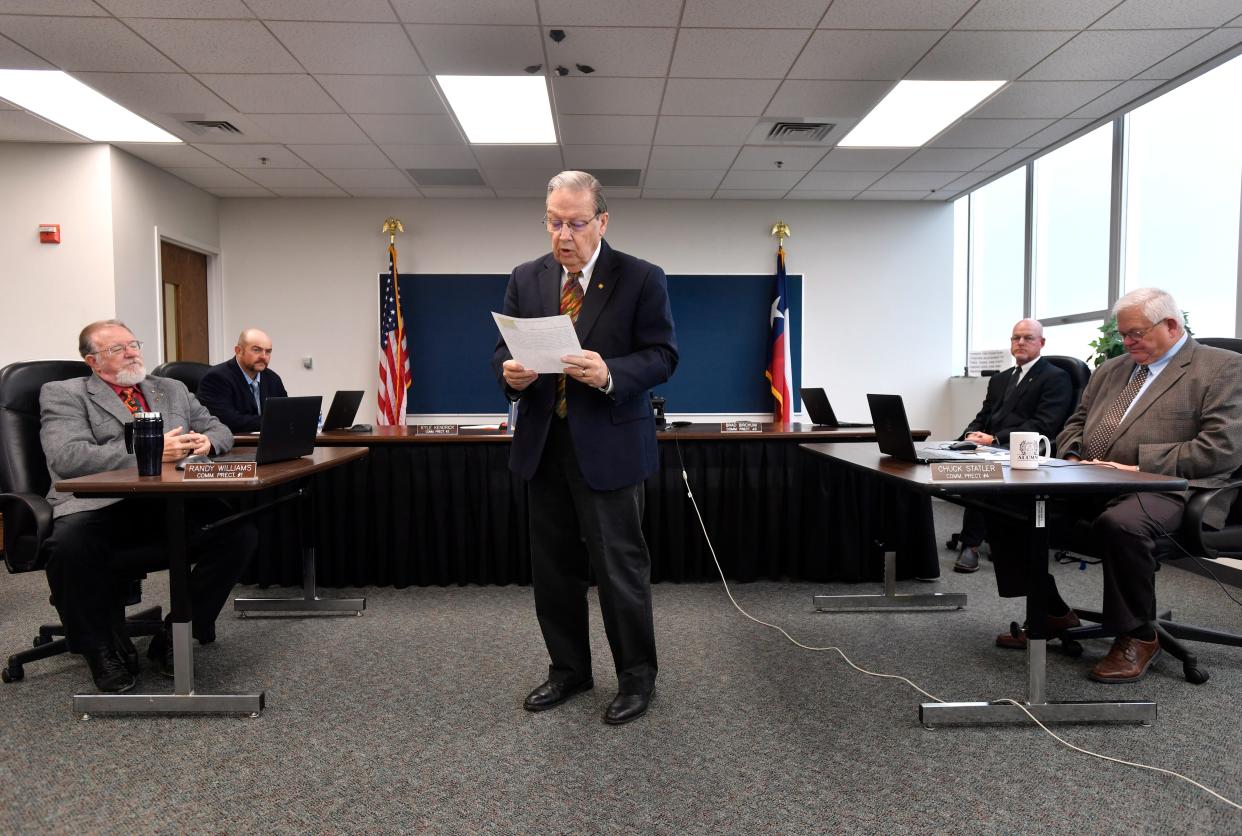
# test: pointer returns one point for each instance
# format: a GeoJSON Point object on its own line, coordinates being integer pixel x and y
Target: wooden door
{"type": "Point", "coordinates": [184, 303]}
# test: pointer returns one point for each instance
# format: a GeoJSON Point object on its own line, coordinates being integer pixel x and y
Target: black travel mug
{"type": "Point", "coordinates": [145, 439]}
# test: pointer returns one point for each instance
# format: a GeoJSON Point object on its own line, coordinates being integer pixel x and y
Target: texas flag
{"type": "Point", "coordinates": [780, 369]}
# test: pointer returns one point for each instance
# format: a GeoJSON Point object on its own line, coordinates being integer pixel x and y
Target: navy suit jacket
{"type": "Point", "coordinates": [226, 394]}
{"type": "Point", "coordinates": [1041, 404]}
{"type": "Point", "coordinates": [626, 317]}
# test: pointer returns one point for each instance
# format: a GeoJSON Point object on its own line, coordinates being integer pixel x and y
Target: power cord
{"type": "Point", "coordinates": [685, 478]}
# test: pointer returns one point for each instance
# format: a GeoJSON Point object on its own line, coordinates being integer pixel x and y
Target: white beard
{"type": "Point", "coordinates": [132, 377]}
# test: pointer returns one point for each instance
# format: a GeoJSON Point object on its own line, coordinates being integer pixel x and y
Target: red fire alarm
{"type": "Point", "coordinates": [49, 233]}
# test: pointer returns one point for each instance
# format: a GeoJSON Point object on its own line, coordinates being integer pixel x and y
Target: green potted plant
{"type": "Point", "coordinates": [1108, 345]}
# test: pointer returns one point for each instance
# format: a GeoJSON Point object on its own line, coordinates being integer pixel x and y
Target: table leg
{"type": "Point", "coordinates": [891, 599]}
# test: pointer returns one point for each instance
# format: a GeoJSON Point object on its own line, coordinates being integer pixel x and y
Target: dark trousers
{"type": "Point", "coordinates": [94, 555]}
{"type": "Point", "coordinates": [573, 528]}
{"type": "Point", "coordinates": [974, 527]}
{"type": "Point", "coordinates": [1122, 532]}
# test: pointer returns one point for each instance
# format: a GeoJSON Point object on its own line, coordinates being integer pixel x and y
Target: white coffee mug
{"type": "Point", "coordinates": [1024, 450]}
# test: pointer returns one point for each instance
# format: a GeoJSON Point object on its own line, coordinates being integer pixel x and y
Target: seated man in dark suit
{"type": "Point", "coordinates": [1033, 396]}
{"type": "Point", "coordinates": [1170, 406]}
{"type": "Point", "coordinates": [235, 390]}
{"type": "Point", "coordinates": [96, 542]}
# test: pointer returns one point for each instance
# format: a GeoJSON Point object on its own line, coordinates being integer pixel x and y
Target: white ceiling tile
{"type": "Point", "coordinates": [757, 158]}
{"type": "Point", "coordinates": [618, 192]}
{"type": "Point", "coordinates": [637, 53]}
{"type": "Point", "coordinates": [875, 195]}
{"type": "Point", "coordinates": [387, 191]}
{"type": "Point", "coordinates": [1115, 98]}
{"type": "Point", "coordinates": [679, 194]}
{"type": "Point", "coordinates": [277, 93]}
{"type": "Point", "coordinates": [310, 128]}
{"type": "Point", "coordinates": [1054, 133]}
{"type": "Point", "coordinates": [1035, 14]}
{"type": "Point", "coordinates": [1204, 49]}
{"type": "Point", "coordinates": [83, 43]}
{"type": "Point", "coordinates": [943, 195]}
{"type": "Point", "coordinates": [380, 48]}
{"type": "Point", "coordinates": [155, 92]}
{"type": "Point", "coordinates": [284, 177]}
{"type": "Point", "coordinates": [457, 191]}
{"type": "Point", "coordinates": [827, 99]}
{"type": "Point", "coordinates": [166, 155]}
{"type": "Point", "coordinates": [14, 57]}
{"type": "Point", "coordinates": [519, 156]}
{"type": "Point", "coordinates": [1005, 160]}
{"type": "Point", "coordinates": [493, 12]}
{"type": "Point", "coordinates": [821, 194]}
{"type": "Point", "coordinates": [863, 159]}
{"type": "Point", "coordinates": [968, 180]}
{"type": "Point", "coordinates": [1161, 14]}
{"type": "Point", "coordinates": [20, 126]}
{"type": "Point", "coordinates": [717, 96]}
{"type": "Point", "coordinates": [915, 180]}
{"type": "Point", "coordinates": [409, 130]}
{"type": "Point", "coordinates": [208, 178]}
{"type": "Point", "coordinates": [309, 191]}
{"type": "Point", "coordinates": [251, 191]}
{"type": "Point", "coordinates": [178, 8]}
{"type": "Point", "coordinates": [383, 93]}
{"type": "Point", "coordinates": [251, 156]}
{"type": "Point", "coordinates": [587, 157]}
{"type": "Point", "coordinates": [998, 56]}
{"type": "Point", "coordinates": [1052, 99]}
{"type": "Point", "coordinates": [609, 12]}
{"type": "Point", "coordinates": [342, 156]}
{"type": "Point", "coordinates": [736, 53]}
{"type": "Point", "coordinates": [217, 46]}
{"type": "Point", "coordinates": [1111, 55]}
{"type": "Point", "coordinates": [606, 130]}
{"type": "Point", "coordinates": [894, 14]}
{"type": "Point", "coordinates": [431, 156]}
{"type": "Point", "coordinates": [879, 56]}
{"type": "Point", "coordinates": [601, 95]}
{"type": "Point", "coordinates": [529, 191]}
{"type": "Point", "coordinates": [784, 180]}
{"type": "Point", "coordinates": [662, 179]}
{"type": "Point", "coordinates": [789, 14]}
{"type": "Point", "coordinates": [1236, 22]}
{"type": "Point", "coordinates": [376, 11]}
{"type": "Point", "coordinates": [77, 8]}
{"type": "Point", "coordinates": [838, 180]}
{"type": "Point", "coordinates": [989, 133]}
{"type": "Point", "coordinates": [528, 179]}
{"type": "Point", "coordinates": [701, 157]}
{"type": "Point", "coordinates": [703, 130]}
{"type": "Point", "coordinates": [947, 159]}
{"type": "Point", "coordinates": [351, 179]}
{"type": "Point", "coordinates": [749, 194]}
{"type": "Point", "coordinates": [250, 132]}
{"type": "Point", "coordinates": [475, 50]}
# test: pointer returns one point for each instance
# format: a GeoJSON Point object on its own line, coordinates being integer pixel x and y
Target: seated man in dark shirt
{"type": "Point", "coordinates": [235, 390]}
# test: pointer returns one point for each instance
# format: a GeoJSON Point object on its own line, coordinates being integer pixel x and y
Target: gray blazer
{"type": "Point", "coordinates": [1188, 423]}
{"type": "Point", "coordinates": [83, 430]}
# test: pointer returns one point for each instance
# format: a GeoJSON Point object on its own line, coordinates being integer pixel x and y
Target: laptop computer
{"type": "Point", "coordinates": [344, 407]}
{"type": "Point", "coordinates": [820, 411]}
{"type": "Point", "coordinates": [892, 433]}
{"type": "Point", "coordinates": [286, 431]}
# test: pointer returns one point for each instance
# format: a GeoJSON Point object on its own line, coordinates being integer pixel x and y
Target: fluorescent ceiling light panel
{"type": "Point", "coordinates": [501, 110]}
{"type": "Point", "coordinates": [915, 111]}
{"type": "Point", "coordinates": [65, 101]}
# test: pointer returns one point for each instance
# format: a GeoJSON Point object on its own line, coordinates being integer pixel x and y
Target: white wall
{"type": "Point", "coordinates": [49, 291]}
{"type": "Point", "coordinates": [878, 292]}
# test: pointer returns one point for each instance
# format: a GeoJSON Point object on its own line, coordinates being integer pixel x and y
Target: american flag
{"type": "Point", "coordinates": [780, 369]}
{"type": "Point", "coordinates": [394, 356]}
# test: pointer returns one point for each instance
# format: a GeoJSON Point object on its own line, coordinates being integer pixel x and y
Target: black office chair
{"type": "Point", "coordinates": [187, 371]}
{"type": "Point", "coordinates": [1078, 371]}
{"type": "Point", "coordinates": [24, 483]}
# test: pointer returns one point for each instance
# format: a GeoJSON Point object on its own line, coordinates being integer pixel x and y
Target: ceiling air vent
{"type": "Point", "coordinates": [799, 132]}
{"type": "Point", "coordinates": [618, 178]}
{"type": "Point", "coordinates": [212, 125]}
{"type": "Point", "coordinates": [446, 176]}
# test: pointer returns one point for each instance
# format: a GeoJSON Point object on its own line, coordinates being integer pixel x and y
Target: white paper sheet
{"type": "Point", "coordinates": [539, 343]}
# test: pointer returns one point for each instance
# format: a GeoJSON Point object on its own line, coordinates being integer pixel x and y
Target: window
{"type": "Point", "coordinates": [1073, 339]}
{"type": "Point", "coordinates": [997, 260]}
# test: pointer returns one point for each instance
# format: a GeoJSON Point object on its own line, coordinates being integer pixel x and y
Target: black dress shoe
{"type": "Point", "coordinates": [160, 651]}
{"type": "Point", "coordinates": [108, 670]}
{"type": "Point", "coordinates": [552, 693]}
{"type": "Point", "coordinates": [626, 707]}
{"type": "Point", "coordinates": [125, 649]}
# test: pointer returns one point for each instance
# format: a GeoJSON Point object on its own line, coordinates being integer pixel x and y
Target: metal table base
{"type": "Point", "coordinates": [890, 599]}
{"type": "Point", "coordinates": [310, 602]}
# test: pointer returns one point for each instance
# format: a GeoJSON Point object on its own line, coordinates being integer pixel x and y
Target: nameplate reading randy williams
{"type": "Point", "coordinates": [221, 470]}
{"type": "Point", "coordinates": [967, 472]}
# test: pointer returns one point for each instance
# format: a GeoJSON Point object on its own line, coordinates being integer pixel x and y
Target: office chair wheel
{"type": "Point", "coordinates": [1071, 648]}
{"type": "Point", "coordinates": [12, 673]}
{"type": "Point", "coordinates": [1194, 675]}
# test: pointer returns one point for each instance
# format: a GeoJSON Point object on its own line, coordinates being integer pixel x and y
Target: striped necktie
{"type": "Point", "coordinates": [1102, 436]}
{"type": "Point", "coordinates": [571, 304]}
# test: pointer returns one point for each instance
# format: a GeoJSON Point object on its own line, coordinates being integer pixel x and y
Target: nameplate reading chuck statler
{"type": "Point", "coordinates": [967, 472]}
{"type": "Point", "coordinates": [221, 470]}
{"type": "Point", "coordinates": [741, 427]}
{"type": "Point", "coordinates": [435, 429]}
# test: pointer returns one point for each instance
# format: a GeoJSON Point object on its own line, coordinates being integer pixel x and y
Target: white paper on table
{"type": "Point", "coordinates": [538, 343]}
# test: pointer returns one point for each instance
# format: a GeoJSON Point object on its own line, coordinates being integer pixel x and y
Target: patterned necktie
{"type": "Point", "coordinates": [130, 396]}
{"type": "Point", "coordinates": [1097, 445]}
{"type": "Point", "coordinates": [254, 390]}
{"type": "Point", "coordinates": [571, 303]}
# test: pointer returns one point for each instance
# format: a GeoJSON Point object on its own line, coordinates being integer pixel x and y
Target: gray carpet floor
{"type": "Point", "coordinates": [409, 719]}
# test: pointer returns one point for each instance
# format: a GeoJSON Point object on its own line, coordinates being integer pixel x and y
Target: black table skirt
{"type": "Point", "coordinates": [443, 514]}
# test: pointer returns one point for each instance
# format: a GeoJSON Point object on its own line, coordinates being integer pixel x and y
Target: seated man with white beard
{"type": "Point", "coordinates": [83, 432]}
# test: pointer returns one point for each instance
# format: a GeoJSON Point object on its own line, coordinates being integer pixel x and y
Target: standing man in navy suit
{"type": "Point", "coordinates": [586, 441]}
{"type": "Point", "coordinates": [235, 390]}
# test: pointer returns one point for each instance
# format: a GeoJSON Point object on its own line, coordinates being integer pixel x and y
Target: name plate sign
{"type": "Point", "coordinates": [741, 427]}
{"type": "Point", "coordinates": [222, 470]}
{"type": "Point", "coordinates": [436, 429]}
{"type": "Point", "coordinates": [967, 472]}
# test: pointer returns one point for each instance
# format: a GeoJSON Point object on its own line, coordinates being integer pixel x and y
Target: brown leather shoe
{"type": "Point", "coordinates": [1057, 625]}
{"type": "Point", "coordinates": [1128, 660]}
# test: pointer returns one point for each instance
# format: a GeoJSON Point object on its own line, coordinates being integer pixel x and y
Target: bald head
{"type": "Point", "coordinates": [253, 351]}
{"type": "Point", "coordinates": [1026, 340]}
